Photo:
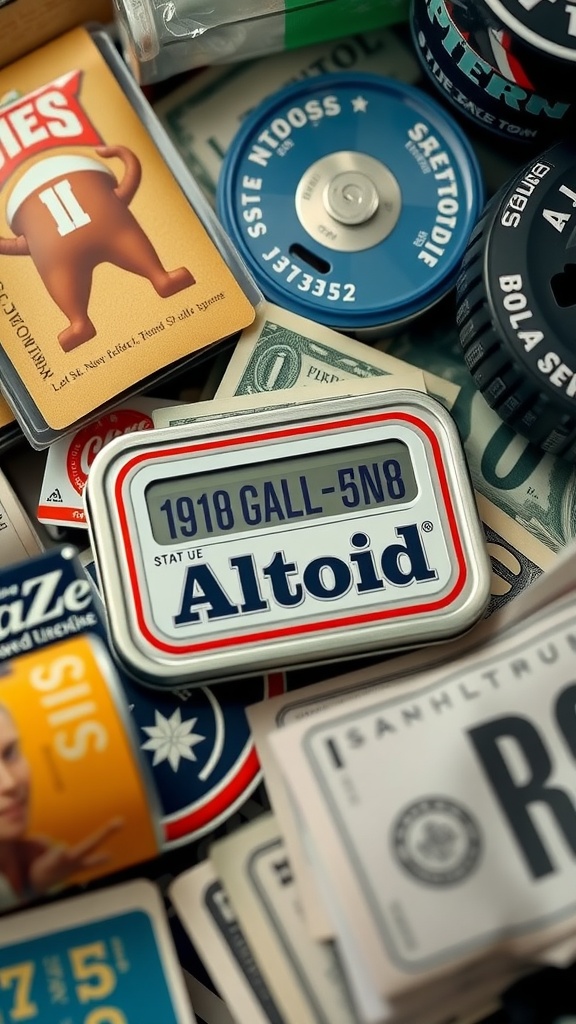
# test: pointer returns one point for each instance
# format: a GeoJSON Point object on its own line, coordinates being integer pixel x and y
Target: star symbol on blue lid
{"type": "Point", "coordinates": [172, 739]}
{"type": "Point", "coordinates": [359, 104]}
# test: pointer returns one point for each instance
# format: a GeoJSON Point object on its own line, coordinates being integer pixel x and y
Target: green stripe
{"type": "Point", "coordinates": [308, 23]}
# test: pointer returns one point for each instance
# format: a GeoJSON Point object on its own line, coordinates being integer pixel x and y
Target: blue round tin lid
{"type": "Point", "coordinates": [200, 750]}
{"type": "Point", "coordinates": [351, 197]}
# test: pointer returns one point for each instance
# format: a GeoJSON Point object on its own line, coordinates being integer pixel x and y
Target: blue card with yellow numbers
{"type": "Point", "coordinates": [102, 958]}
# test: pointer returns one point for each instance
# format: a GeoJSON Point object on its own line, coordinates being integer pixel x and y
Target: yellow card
{"type": "Point", "coordinates": [107, 274]}
{"type": "Point", "coordinates": [73, 801]}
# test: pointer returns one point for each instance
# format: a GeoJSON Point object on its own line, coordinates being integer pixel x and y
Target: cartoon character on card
{"type": "Point", "coordinates": [69, 213]}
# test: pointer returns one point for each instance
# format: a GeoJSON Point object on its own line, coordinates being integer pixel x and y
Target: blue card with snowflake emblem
{"type": "Point", "coordinates": [199, 746]}
{"type": "Point", "coordinates": [201, 751]}
{"type": "Point", "coordinates": [197, 742]}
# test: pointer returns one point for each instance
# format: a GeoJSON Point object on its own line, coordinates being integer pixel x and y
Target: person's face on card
{"type": "Point", "coordinates": [14, 781]}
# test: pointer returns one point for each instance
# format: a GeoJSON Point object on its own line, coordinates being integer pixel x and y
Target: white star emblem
{"type": "Point", "coordinates": [171, 739]}
{"type": "Point", "coordinates": [359, 104]}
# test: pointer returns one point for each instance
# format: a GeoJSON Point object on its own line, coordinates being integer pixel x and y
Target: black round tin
{"type": "Point", "coordinates": [517, 302]}
{"type": "Point", "coordinates": [519, 86]}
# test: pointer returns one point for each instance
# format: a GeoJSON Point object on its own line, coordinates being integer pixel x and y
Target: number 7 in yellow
{"type": "Point", "coordinates": [21, 976]}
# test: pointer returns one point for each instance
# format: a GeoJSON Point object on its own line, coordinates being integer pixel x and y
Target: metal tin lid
{"type": "Point", "coordinates": [351, 198]}
{"type": "Point", "coordinates": [231, 548]}
{"type": "Point", "coordinates": [517, 302]}
{"type": "Point", "coordinates": [488, 74]}
{"type": "Point", "coordinates": [549, 27]}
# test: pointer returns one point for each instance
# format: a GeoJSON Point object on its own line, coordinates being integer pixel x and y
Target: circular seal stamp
{"type": "Point", "coordinates": [89, 440]}
{"type": "Point", "coordinates": [437, 841]}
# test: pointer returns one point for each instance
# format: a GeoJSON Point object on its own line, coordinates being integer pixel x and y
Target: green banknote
{"type": "Point", "coordinates": [283, 351]}
{"type": "Point", "coordinates": [203, 115]}
{"type": "Point", "coordinates": [535, 489]}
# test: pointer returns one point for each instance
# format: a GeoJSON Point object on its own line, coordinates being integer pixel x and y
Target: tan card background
{"type": "Point", "coordinates": [138, 332]}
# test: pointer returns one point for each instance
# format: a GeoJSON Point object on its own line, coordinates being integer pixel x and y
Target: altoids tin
{"type": "Point", "coordinates": [351, 198]}
{"type": "Point", "coordinates": [232, 547]}
{"type": "Point", "coordinates": [507, 68]}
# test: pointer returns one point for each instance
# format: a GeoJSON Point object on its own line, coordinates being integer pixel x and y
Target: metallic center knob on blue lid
{"type": "Point", "coordinates": [351, 197]}
{"type": "Point", "coordinates": [348, 201]}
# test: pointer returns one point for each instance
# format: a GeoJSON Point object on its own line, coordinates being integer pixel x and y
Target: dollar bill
{"type": "Point", "coordinates": [224, 408]}
{"type": "Point", "coordinates": [451, 862]}
{"type": "Point", "coordinates": [282, 350]}
{"type": "Point", "coordinates": [203, 907]}
{"type": "Point", "coordinates": [303, 974]}
{"type": "Point", "coordinates": [276, 713]}
{"type": "Point", "coordinates": [518, 558]}
{"type": "Point", "coordinates": [203, 116]}
{"type": "Point", "coordinates": [536, 490]}
{"type": "Point", "coordinates": [307, 973]}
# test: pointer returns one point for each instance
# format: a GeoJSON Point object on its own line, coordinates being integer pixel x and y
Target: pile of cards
{"type": "Point", "coordinates": [421, 855]}
{"type": "Point", "coordinates": [87, 961]}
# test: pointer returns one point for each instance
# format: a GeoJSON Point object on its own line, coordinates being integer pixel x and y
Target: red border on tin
{"type": "Point", "coordinates": [309, 627]}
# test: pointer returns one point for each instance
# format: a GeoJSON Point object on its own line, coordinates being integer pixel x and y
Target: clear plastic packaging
{"type": "Point", "coordinates": [162, 38]}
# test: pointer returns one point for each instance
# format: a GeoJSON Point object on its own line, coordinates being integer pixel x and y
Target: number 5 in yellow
{"type": "Point", "coordinates": [97, 980]}
{"type": "Point", "coordinates": [21, 976]}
